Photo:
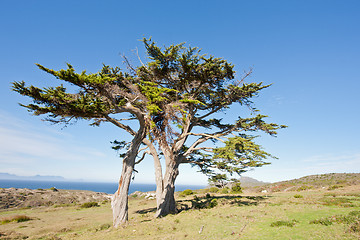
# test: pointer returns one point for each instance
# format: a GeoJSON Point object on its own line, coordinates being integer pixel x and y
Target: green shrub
{"type": "Point", "coordinates": [322, 221]}
{"type": "Point", "coordinates": [186, 192]}
{"type": "Point", "coordinates": [89, 205]}
{"type": "Point", "coordinates": [333, 187]}
{"type": "Point", "coordinates": [284, 223]}
{"type": "Point", "coordinates": [53, 189]}
{"type": "Point", "coordinates": [103, 227]}
{"type": "Point", "coordinates": [213, 203]}
{"type": "Point", "coordinates": [298, 196]}
{"type": "Point", "coordinates": [208, 195]}
{"type": "Point", "coordinates": [236, 188]}
{"type": "Point", "coordinates": [303, 188]}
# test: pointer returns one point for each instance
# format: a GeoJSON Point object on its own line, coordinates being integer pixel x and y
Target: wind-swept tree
{"type": "Point", "coordinates": [204, 87]}
{"type": "Point", "coordinates": [178, 98]}
{"type": "Point", "coordinates": [100, 97]}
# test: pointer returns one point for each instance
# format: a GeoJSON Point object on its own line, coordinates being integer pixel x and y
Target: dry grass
{"type": "Point", "coordinates": [234, 217]}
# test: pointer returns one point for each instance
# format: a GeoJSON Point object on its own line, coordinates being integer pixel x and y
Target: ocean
{"type": "Point", "coordinates": [105, 187]}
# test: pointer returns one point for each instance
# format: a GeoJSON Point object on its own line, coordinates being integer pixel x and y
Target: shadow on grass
{"type": "Point", "coordinates": [148, 210]}
{"type": "Point", "coordinates": [208, 201]}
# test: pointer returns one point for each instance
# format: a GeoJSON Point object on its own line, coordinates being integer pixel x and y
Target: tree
{"type": "Point", "coordinates": [218, 180]}
{"type": "Point", "coordinates": [98, 98]}
{"type": "Point", "coordinates": [203, 87]}
{"type": "Point", "coordinates": [178, 98]}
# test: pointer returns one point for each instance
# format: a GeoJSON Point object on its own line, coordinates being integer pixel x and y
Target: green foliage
{"type": "Point", "coordinates": [53, 189]}
{"type": "Point", "coordinates": [90, 205]}
{"type": "Point", "coordinates": [352, 220]}
{"type": "Point", "coordinates": [333, 187]}
{"type": "Point", "coordinates": [236, 188]}
{"type": "Point", "coordinates": [187, 192]}
{"type": "Point", "coordinates": [322, 221]}
{"type": "Point", "coordinates": [290, 223]}
{"type": "Point", "coordinates": [298, 196]}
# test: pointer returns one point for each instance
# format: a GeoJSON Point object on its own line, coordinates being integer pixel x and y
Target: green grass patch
{"type": "Point", "coordinates": [89, 205]}
{"type": "Point", "coordinates": [17, 218]}
{"type": "Point", "coordinates": [280, 223]}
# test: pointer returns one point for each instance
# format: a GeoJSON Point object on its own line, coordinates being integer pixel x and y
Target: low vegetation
{"type": "Point", "coordinates": [313, 214]}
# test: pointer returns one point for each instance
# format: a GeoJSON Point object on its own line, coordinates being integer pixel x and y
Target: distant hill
{"type": "Point", "coordinates": [251, 182]}
{"type": "Point", "coordinates": [7, 176]}
{"type": "Point", "coordinates": [329, 181]}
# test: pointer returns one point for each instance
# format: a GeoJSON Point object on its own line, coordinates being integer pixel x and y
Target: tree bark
{"type": "Point", "coordinates": [167, 202]}
{"type": "Point", "coordinates": [119, 201]}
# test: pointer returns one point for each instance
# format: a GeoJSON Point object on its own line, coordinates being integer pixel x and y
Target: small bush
{"type": "Point", "coordinates": [236, 188]}
{"type": "Point", "coordinates": [89, 205]}
{"type": "Point", "coordinates": [284, 223]}
{"type": "Point", "coordinates": [333, 187]}
{"type": "Point", "coordinates": [213, 203]}
{"type": "Point", "coordinates": [103, 227]}
{"type": "Point", "coordinates": [298, 196]}
{"type": "Point", "coordinates": [53, 189]}
{"type": "Point", "coordinates": [208, 195]}
{"type": "Point", "coordinates": [186, 192]}
{"type": "Point", "coordinates": [322, 221]}
{"type": "Point", "coordinates": [303, 188]}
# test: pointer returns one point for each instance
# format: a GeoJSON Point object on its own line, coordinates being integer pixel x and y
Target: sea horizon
{"type": "Point", "coordinates": [105, 187]}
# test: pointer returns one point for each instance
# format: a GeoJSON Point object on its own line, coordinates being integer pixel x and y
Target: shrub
{"type": "Point", "coordinates": [89, 205]}
{"type": "Point", "coordinates": [333, 187]}
{"type": "Point", "coordinates": [186, 192]}
{"type": "Point", "coordinates": [303, 188]}
{"type": "Point", "coordinates": [298, 196]}
{"type": "Point", "coordinates": [54, 189]}
{"type": "Point", "coordinates": [103, 227]}
{"type": "Point", "coordinates": [284, 223]}
{"type": "Point", "coordinates": [213, 203]}
{"type": "Point", "coordinates": [322, 221]}
{"type": "Point", "coordinates": [236, 188]}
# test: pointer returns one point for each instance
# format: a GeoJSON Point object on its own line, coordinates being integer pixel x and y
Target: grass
{"type": "Point", "coordinates": [234, 216]}
{"type": "Point", "coordinates": [17, 219]}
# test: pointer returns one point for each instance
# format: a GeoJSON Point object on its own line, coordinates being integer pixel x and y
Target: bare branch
{"type": "Point", "coordinates": [247, 74]}
{"type": "Point", "coordinates": [120, 125]}
{"type": "Point", "coordinates": [142, 157]}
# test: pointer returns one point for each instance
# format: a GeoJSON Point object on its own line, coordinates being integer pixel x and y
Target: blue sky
{"type": "Point", "coordinates": [309, 50]}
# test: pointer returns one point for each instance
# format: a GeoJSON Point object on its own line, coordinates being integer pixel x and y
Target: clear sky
{"type": "Point", "coordinates": [309, 50]}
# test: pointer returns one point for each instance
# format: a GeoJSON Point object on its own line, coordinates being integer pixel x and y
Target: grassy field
{"type": "Point", "coordinates": [310, 214]}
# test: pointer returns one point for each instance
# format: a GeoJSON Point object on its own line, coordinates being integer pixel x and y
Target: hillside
{"type": "Point", "coordinates": [321, 181]}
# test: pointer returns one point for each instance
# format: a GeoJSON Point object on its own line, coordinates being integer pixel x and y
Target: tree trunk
{"type": "Point", "coordinates": [167, 202]}
{"type": "Point", "coordinates": [119, 201]}
{"type": "Point", "coordinates": [158, 171]}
